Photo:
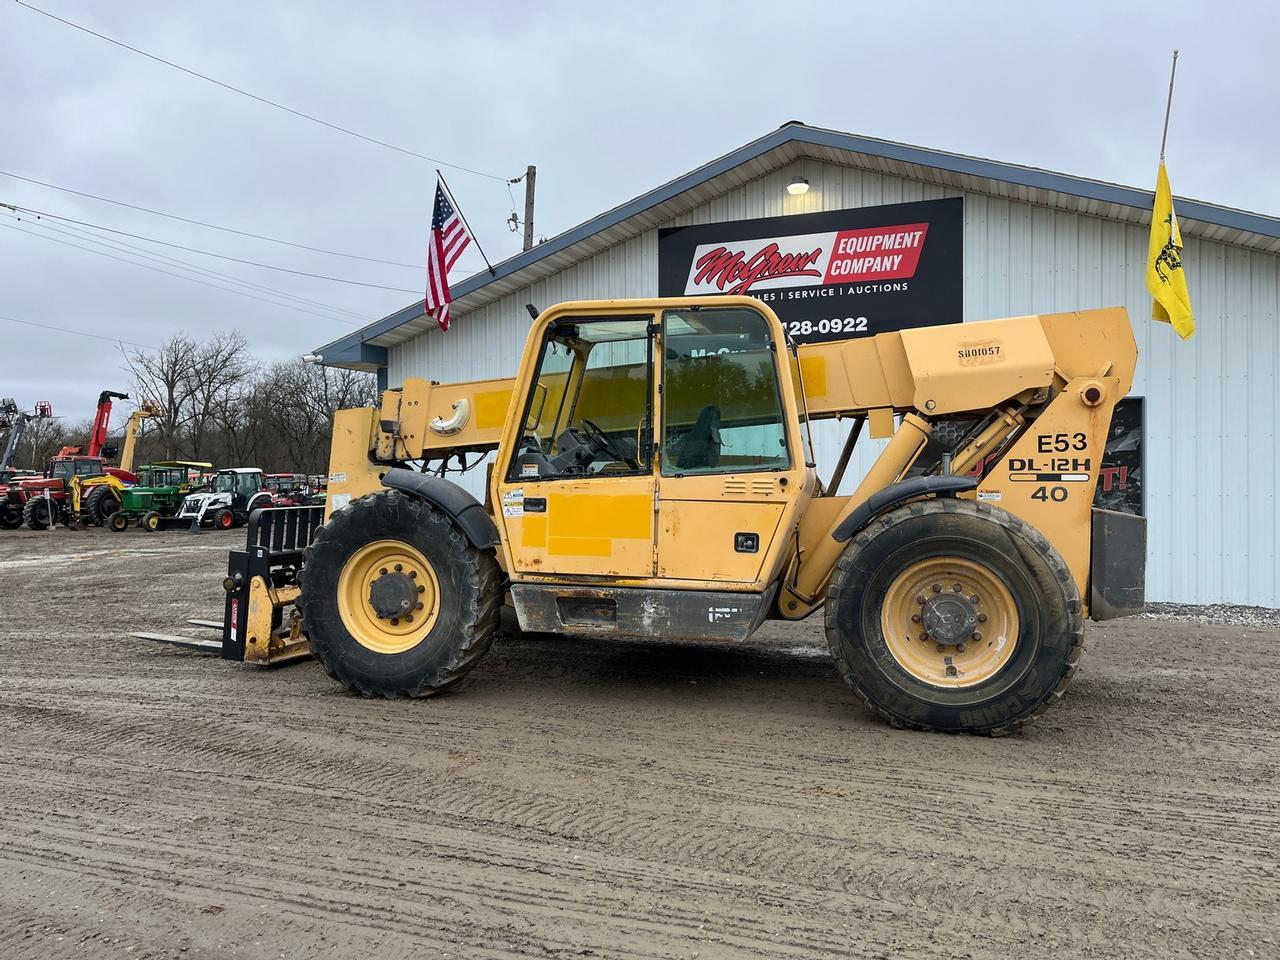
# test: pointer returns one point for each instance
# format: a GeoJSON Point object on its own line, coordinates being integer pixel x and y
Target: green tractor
{"type": "Point", "coordinates": [159, 492]}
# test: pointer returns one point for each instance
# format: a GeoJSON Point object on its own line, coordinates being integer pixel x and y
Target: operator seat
{"type": "Point", "coordinates": [700, 448]}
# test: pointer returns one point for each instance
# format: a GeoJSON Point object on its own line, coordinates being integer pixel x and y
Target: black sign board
{"type": "Point", "coordinates": [1120, 476]}
{"type": "Point", "coordinates": [832, 275]}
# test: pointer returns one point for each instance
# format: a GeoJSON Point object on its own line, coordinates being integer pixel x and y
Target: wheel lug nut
{"type": "Point", "coordinates": [422, 589]}
{"type": "Point", "coordinates": [974, 599]}
{"type": "Point", "coordinates": [941, 648]}
{"type": "Point", "coordinates": [383, 571]}
{"type": "Point", "coordinates": [915, 618]}
{"type": "Point", "coordinates": [413, 574]}
{"type": "Point", "coordinates": [395, 622]}
{"type": "Point", "coordinates": [937, 588]}
{"type": "Point", "coordinates": [977, 635]}
{"type": "Point", "coordinates": [418, 607]}
{"type": "Point", "coordinates": [920, 599]}
{"type": "Point", "coordinates": [960, 647]}
{"type": "Point", "coordinates": [982, 618]}
{"type": "Point", "coordinates": [957, 588]}
{"type": "Point", "coordinates": [399, 567]}
{"type": "Point", "coordinates": [924, 636]}
{"type": "Point", "coordinates": [408, 618]}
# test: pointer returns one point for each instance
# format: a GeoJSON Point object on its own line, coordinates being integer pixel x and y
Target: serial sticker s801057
{"type": "Point", "coordinates": [979, 352]}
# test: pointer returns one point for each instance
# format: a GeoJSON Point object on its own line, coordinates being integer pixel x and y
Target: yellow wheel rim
{"type": "Point", "coordinates": [401, 573]}
{"type": "Point", "coordinates": [950, 622]}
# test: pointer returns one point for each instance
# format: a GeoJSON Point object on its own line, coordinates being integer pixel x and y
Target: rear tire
{"type": "Point", "coordinates": [10, 515]}
{"type": "Point", "coordinates": [993, 684]}
{"type": "Point", "coordinates": [379, 657]}
{"type": "Point", "coordinates": [98, 505]}
{"type": "Point", "coordinates": [35, 513]}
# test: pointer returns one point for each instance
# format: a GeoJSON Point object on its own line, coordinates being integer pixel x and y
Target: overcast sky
{"type": "Point", "coordinates": [607, 99]}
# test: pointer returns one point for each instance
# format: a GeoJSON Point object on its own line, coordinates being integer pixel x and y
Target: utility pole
{"type": "Point", "coordinates": [530, 175]}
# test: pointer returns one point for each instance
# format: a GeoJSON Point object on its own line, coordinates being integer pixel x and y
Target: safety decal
{"type": "Point", "coordinates": [513, 503]}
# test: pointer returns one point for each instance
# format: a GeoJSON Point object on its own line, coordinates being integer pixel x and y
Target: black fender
{"type": "Point", "coordinates": [897, 493]}
{"type": "Point", "coordinates": [464, 509]}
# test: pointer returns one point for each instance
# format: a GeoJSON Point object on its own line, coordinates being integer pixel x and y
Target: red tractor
{"type": "Point", "coordinates": [286, 489]}
{"type": "Point", "coordinates": [41, 502]}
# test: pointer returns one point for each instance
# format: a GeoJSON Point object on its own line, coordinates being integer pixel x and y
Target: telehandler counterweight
{"type": "Point", "coordinates": [653, 476]}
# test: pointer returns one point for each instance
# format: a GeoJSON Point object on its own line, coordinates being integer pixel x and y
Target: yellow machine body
{"type": "Point", "coordinates": [1046, 384]}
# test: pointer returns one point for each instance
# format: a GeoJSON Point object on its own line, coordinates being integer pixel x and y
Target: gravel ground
{"type": "Point", "coordinates": [1229, 614]}
{"type": "Point", "coordinates": [606, 799]}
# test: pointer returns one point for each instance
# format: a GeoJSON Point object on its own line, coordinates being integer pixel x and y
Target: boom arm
{"type": "Point", "coordinates": [145, 412]}
{"type": "Point", "coordinates": [102, 420]}
{"type": "Point", "coordinates": [18, 420]}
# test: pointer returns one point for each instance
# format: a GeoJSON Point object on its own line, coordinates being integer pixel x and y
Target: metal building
{"type": "Point", "coordinates": [1033, 242]}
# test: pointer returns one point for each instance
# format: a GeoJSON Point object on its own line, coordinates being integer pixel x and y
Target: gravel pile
{"type": "Point", "coordinates": [1228, 614]}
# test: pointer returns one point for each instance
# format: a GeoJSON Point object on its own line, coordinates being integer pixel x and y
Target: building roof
{"type": "Point", "coordinates": [366, 348]}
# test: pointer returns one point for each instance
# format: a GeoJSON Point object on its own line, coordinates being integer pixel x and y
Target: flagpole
{"type": "Point", "coordinates": [474, 238]}
{"type": "Point", "coordinates": [1164, 137]}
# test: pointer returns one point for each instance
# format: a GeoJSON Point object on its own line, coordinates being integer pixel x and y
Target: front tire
{"type": "Point", "coordinates": [118, 523]}
{"type": "Point", "coordinates": [150, 521]}
{"type": "Point", "coordinates": [396, 602]}
{"type": "Point", "coordinates": [956, 616]}
{"type": "Point", "coordinates": [224, 520]}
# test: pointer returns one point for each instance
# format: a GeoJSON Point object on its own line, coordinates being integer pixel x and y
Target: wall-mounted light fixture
{"type": "Point", "coordinates": [798, 186]}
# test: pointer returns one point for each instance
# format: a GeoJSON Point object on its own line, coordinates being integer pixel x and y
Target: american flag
{"type": "Point", "coordinates": [449, 237]}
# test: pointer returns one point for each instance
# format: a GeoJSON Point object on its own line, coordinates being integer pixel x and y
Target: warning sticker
{"type": "Point", "coordinates": [988, 494]}
{"type": "Point", "coordinates": [513, 503]}
{"type": "Point", "coordinates": [337, 478]}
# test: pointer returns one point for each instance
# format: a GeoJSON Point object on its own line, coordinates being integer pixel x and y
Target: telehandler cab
{"type": "Point", "coordinates": [654, 477]}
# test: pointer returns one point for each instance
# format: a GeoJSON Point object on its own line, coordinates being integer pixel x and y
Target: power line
{"type": "Point", "coordinates": [182, 265]}
{"type": "Point", "coordinates": [167, 260]}
{"type": "Point", "coordinates": [212, 226]}
{"type": "Point", "coordinates": [264, 100]}
{"type": "Point", "coordinates": [208, 253]}
{"type": "Point", "coordinates": [78, 333]}
{"type": "Point", "coordinates": [168, 273]}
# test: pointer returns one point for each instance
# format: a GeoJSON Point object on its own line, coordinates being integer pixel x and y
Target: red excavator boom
{"type": "Point", "coordinates": [101, 420]}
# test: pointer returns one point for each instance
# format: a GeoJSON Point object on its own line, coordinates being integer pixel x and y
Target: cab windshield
{"type": "Point", "coordinates": [225, 483]}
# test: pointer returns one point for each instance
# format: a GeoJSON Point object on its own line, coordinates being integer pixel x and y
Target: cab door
{"type": "Point", "coordinates": [577, 491]}
{"type": "Point", "coordinates": [727, 468]}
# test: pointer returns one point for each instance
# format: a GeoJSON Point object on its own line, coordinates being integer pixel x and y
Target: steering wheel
{"type": "Point", "coordinates": [601, 439]}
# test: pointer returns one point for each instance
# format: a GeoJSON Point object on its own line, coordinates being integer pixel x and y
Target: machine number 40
{"type": "Point", "coordinates": [1056, 494]}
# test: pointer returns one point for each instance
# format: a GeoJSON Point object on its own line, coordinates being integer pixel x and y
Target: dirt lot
{"type": "Point", "coordinates": [609, 800]}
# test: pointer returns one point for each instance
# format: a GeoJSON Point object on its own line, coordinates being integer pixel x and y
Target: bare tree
{"type": "Point", "coordinates": [162, 376]}
{"type": "Point", "coordinates": [223, 407]}
{"type": "Point", "coordinates": [219, 369]}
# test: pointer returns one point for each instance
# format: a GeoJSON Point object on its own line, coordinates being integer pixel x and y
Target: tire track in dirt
{"type": "Point", "coordinates": [613, 799]}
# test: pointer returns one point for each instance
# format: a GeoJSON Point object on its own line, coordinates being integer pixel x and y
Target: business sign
{"type": "Point", "coordinates": [833, 275]}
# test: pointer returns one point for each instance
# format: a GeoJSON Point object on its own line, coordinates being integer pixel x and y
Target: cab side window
{"type": "Point", "coordinates": [722, 408]}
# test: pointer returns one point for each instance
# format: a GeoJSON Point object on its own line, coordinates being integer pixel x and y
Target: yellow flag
{"type": "Point", "coordinates": [1166, 279]}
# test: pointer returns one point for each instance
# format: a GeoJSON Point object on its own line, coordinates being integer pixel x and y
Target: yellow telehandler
{"type": "Point", "coordinates": [653, 476]}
